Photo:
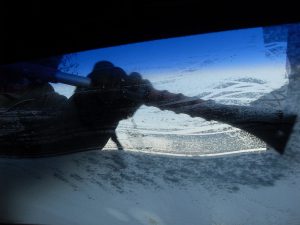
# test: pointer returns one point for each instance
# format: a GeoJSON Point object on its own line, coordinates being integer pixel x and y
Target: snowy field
{"type": "Point", "coordinates": [157, 131]}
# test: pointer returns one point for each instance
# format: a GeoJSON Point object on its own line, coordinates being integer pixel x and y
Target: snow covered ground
{"type": "Point", "coordinates": [158, 131]}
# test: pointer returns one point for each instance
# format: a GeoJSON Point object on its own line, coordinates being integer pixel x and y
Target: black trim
{"type": "Point", "coordinates": [34, 30]}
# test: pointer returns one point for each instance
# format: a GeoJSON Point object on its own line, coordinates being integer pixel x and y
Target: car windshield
{"type": "Point", "coordinates": [121, 153]}
{"type": "Point", "coordinates": [239, 67]}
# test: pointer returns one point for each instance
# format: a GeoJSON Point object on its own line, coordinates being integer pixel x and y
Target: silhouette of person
{"type": "Point", "coordinates": [37, 121]}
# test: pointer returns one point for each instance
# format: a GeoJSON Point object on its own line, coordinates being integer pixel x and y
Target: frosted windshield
{"type": "Point", "coordinates": [240, 67]}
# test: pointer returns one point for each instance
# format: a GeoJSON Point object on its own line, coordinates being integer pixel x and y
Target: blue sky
{"type": "Point", "coordinates": [242, 47]}
{"type": "Point", "coordinates": [240, 52]}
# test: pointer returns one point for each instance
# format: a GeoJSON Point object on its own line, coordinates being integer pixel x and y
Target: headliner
{"type": "Point", "coordinates": [42, 29]}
